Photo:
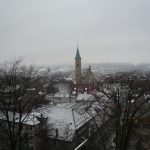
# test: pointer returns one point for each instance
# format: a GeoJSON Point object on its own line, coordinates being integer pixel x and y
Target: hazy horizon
{"type": "Point", "coordinates": [46, 32]}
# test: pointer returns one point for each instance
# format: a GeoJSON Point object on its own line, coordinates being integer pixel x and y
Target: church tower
{"type": "Point", "coordinates": [78, 74]}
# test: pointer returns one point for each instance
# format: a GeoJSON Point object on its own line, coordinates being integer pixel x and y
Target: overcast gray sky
{"type": "Point", "coordinates": [46, 31]}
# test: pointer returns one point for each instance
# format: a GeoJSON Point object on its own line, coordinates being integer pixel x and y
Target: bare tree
{"type": "Point", "coordinates": [51, 89]}
{"type": "Point", "coordinates": [18, 92]}
{"type": "Point", "coordinates": [130, 97]}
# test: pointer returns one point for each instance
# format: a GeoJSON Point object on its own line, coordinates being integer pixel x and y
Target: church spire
{"type": "Point", "coordinates": [78, 53]}
{"type": "Point", "coordinates": [78, 72]}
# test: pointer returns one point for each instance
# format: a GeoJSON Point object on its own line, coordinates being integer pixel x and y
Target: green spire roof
{"type": "Point", "coordinates": [78, 54]}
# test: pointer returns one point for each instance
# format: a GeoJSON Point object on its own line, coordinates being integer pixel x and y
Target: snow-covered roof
{"type": "Point", "coordinates": [88, 97]}
{"type": "Point", "coordinates": [28, 119]}
{"type": "Point", "coordinates": [64, 119]}
{"type": "Point", "coordinates": [102, 96]}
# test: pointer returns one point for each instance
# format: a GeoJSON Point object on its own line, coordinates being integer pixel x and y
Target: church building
{"type": "Point", "coordinates": [83, 80]}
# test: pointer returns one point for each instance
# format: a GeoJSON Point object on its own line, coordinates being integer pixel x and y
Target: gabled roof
{"type": "Point", "coordinates": [78, 54]}
{"type": "Point", "coordinates": [68, 117]}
